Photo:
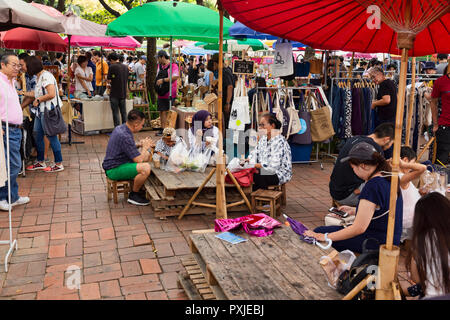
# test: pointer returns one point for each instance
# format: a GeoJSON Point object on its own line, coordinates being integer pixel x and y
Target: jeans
{"type": "Point", "coordinates": [40, 145]}
{"type": "Point", "coordinates": [100, 90]}
{"type": "Point", "coordinates": [116, 106]}
{"type": "Point", "coordinates": [353, 199]}
{"type": "Point", "coordinates": [15, 140]}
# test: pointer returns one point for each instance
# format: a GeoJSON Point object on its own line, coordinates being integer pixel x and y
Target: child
{"type": "Point", "coordinates": [409, 170]}
{"type": "Point", "coordinates": [164, 146]}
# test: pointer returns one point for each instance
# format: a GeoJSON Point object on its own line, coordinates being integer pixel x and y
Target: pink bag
{"type": "Point", "coordinates": [259, 224]}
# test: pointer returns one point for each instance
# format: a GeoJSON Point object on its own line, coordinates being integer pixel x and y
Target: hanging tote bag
{"type": "Point", "coordinates": [294, 121]}
{"type": "Point", "coordinates": [239, 115]}
{"type": "Point", "coordinates": [301, 68]}
{"type": "Point", "coordinates": [304, 135]}
{"type": "Point", "coordinates": [283, 62]}
{"type": "Point", "coordinates": [316, 66]}
{"type": "Point", "coordinates": [321, 125]}
{"type": "Point", "coordinates": [282, 115]}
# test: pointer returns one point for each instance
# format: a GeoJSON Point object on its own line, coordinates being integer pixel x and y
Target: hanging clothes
{"type": "Point", "coordinates": [348, 113]}
{"type": "Point", "coordinates": [357, 128]}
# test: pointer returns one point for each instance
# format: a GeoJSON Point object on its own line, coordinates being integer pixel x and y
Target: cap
{"type": "Point", "coordinates": [360, 151]}
{"type": "Point", "coordinates": [169, 132]}
{"type": "Point", "coordinates": [143, 58]}
{"type": "Point", "coordinates": [429, 65]}
{"type": "Point", "coordinates": [162, 53]}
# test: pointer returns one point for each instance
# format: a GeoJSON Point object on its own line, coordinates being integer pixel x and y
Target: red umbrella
{"type": "Point", "coordinates": [343, 24]}
{"type": "Point", "coordinates": [30, 39]}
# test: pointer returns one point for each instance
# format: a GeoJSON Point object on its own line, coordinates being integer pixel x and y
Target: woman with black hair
{"type": "Point", "coordinates": [372, 211]}
{"type": "Point", "coordinates": [272, 155]}
{"type": "Point", "coordinates": [428, 258]}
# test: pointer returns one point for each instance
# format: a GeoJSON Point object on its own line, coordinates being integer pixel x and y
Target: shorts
{"type": "Point", "coordinates": [164, 104]}
{"type": "Point", "coordinates": [126, 171]}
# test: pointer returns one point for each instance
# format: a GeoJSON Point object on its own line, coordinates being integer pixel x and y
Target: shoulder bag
{"type": "Point", "coordinates": [53, 119]}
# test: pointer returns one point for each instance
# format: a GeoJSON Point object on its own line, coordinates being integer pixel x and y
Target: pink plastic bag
{"type": "Point", "coordinates": [258, 225]}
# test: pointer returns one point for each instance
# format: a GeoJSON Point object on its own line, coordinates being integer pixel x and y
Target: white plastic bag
{"type": "Point", "coordinates": [334, 266]}
{"type": "Point", "coordinates": [177, 158]}
{"type": "Point", "coordinates": [197, 161]}
{"type": "Point", "coordinates": [235, 165]}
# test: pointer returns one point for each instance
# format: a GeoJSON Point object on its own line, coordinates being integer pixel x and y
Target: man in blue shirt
{"type": "Point", "coordinates": [123, 160]}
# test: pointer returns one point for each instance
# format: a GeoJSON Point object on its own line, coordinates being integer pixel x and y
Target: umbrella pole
{"type": "Point", "coordinates": [221, 208]}
{"type": "Point", "coordinates": [411, 102]}
{"type": "Point", "coordinates": [389, 254]}
{"type": "Point", "coordinates": [170, 77]}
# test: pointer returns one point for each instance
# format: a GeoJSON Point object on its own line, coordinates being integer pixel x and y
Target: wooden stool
{"type": "Point", "coordinates": [281, 188]}
{"type": "Point", "coordinates": [261, 197]}
{"type": "Point", "coordinates": [114, 187]}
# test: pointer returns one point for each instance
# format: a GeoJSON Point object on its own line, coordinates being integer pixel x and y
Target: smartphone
{"type": "Point", "coordinates": [338, 212]}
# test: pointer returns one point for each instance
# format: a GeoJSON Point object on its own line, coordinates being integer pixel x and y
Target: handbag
{"type": "Point", "coordinates": [316, 66]}
{"type": "Point", "coordinates": [162, 89]}
{"type": "Point", "coordinates": [321, 125]}
{"type": "Point", "coordinates": [281, 114]}
{"type": "Point", "coordinates": [302, 68]}
{"type": "Point", "coordinates": [53, 123]}
{"type": "Point", "coordinates": [243, 177]}
{"type": "Point", "coordinates": [283, 60]}
{"type": "Point", "coordinates": [239, 115]}
{"type": "Point", "coordinates": [294, 121]}
{"type": "Point", "coordinates": [331, 220]}
{"type": "Point", "coordinates": [304, 135]}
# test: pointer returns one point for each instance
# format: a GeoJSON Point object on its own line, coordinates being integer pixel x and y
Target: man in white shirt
{"type": "Point", "coordinates": [139, 68]}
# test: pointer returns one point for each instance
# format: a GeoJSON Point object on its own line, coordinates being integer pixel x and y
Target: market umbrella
{"type": "Point", "coordinates": [17, 13]}
{"type": "Point", "coordinates": [177, 20]}
{"type": "Point", "coordinates": [343, 24]}
{"type": "Point", "coordinates": [415, 27]}
{"type": "Point", "coordinates": [31, 39]}
{"type": "Point", "coordinates": [234, 45]}
{"type": "Point", "coordinates": [86, 41]}
{"type": "Point", "coordinates": [197, 51]}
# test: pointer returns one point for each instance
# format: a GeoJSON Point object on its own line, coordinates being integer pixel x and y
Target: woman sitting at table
{"type": "Point", "coordinates": [372, 212]}
{"type": "Point", "coordinates": [272, 155]}
{"type": "Point", "coordinates": [83, 78]}
{"type": "Point", "coordinates": [202, 133]}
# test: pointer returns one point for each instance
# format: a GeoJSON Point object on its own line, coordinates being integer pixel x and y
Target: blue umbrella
{"type": "Point", "coordinates": [197, 51]}
{"type": "Point", "coordinates": [239, 30]}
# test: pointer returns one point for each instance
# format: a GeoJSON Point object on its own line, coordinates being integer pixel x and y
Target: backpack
{"type": "Point", "coordinates": [163, 88]}
{"type": "Point", "coordinates": [358, 271]}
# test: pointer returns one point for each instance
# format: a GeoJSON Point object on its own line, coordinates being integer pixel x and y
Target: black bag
{"type": "Point", "coordinates": [163, 88]}
{"type": "Point", "coordinates": [358, 271]}
{"type": "Point", "coordinates": [301, 69]}
{"type": "Point", "coordinates": [53, 123]}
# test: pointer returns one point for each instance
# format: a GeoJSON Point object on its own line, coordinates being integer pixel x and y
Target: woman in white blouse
{"type": "Point", "coordinates": [83, 77]}
{"type": "Point", "coordinates": [46, 96]}
{"type": "Point", "coordinates": [272, 155]}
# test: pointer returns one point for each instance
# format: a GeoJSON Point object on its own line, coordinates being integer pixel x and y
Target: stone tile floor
{"type": "Point", "coordinates": [122, 251]}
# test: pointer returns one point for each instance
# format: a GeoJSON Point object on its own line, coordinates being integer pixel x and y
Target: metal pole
{"type": "Point", "coordinates": [170, 76]}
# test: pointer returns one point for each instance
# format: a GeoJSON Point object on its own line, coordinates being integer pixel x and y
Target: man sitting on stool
{"type": "Point", "coordinates": [123, 160]}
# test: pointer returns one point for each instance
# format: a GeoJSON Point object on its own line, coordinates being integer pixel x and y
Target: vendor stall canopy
{"type": "Point", "coordinates": [17, 13]}
{"type": "Point", "coordinates": [349, 24]}
{"type": "Point", "coordinates": [178, 20]}
{"type": "Point", "coordinates": [30, 39]}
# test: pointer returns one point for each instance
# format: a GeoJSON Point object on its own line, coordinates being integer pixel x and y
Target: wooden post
{"type": "Point", "coordinates": [411, 102]}
{"type": "Point", "coordinates": [369, 278]}
{"type": "Point", "coordinates": [387, 272]}
{"type": "Point", "coordinates": [425, 148]}
{"type": "Point", "coordinates": [221, 208]}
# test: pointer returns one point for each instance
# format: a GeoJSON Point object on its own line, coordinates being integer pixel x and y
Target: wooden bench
{"type": "Point", "coordinates": [276, 267]}
{"type": "Point", "coordinates": [261, 197]}
{"type": "Point", "coordinates": [113, 188]}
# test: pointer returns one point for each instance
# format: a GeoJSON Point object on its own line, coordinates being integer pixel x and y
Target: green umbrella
{"type": "Point", "coordinates": [237, 45]}
{"type": "Point", "coordinates": [179, 20]}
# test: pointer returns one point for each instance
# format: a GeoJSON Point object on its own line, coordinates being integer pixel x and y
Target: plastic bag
{"type": "Point", "coordinates": [177, 158]}
{"type": "Point", "coordinates": [236, 165]}
{"type": "Point", "coordinates": [334, 265]}
{"type": "Point", "coordinates": [197, 161]}
{"type": "Point", "coordinates": [259, 224]}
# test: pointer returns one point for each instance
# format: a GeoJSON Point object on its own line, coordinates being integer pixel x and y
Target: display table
{"type": "Point", "coordinates": [95, 116]}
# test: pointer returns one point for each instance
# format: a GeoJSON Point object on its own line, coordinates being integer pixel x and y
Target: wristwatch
{"type": "Point", "coordinates": [39, 101]}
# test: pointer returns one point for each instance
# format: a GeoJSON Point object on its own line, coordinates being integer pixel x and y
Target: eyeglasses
{"type": "Point", "coordinates": [261, 125]}
{"type": "Point", "coordinates": [15, 65]}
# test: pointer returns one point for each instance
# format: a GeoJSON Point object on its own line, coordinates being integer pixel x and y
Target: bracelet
{"type": "Point", "coordinates": [326, 237]}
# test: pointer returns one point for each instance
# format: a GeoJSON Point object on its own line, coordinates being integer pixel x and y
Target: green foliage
{"type": "Point", "coordinates": [99, 16]}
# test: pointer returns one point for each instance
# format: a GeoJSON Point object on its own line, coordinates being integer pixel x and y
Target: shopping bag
{"type": "Point", "coordinates": [321, 125]}
{"type": "Point", "coordinates": [283, 62]}
{"type": "Point", "coordinates": [239, 115]}
{"type": "Point", "coordinates": [196, 160]}
{"type": "Point", "coordinates": [316, 66]}
{"type": "Point", "coordinates": [244, 177]}
{"type": "Point", "coordinates": [294, 120]}
{"type": "Point", "coordinates": [304, 135]}
{"type": "Point", "coordinates": [301, 68]}
{"type": "Point", "coordinates": [282, 115]}
{"type": "Point", "coordinates": [177, 158]}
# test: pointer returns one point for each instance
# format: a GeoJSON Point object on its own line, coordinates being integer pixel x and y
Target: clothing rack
{"type": "Point", "coordinates": [316, 143]}
{"type": "Point", "coordinates": [343, 78]}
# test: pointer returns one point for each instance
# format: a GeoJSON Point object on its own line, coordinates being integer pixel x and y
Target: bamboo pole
{"type": "Point", "coordinates": [411, 102]}
{"type": "Point", "coordinates": [221, 208]}
{"type": "Point", "coordinates": [368, 279]}
{"type": "Point", "coordinates": [425, 148]}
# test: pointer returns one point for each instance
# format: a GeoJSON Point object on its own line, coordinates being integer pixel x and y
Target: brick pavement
{"type": "Point", "coordinates": [122, 251]}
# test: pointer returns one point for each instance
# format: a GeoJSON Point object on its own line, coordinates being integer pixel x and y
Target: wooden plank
{"type": "Point", "coordinates": [249, 277]}
{"type": "Point", "coordinates": [252, 261]}
{"type": "Point", "coordinates": [218, 266]}
{"type": "Point", "coordinates": [151, 191]}
{"type": "Point", "coordinates": [188, 287]}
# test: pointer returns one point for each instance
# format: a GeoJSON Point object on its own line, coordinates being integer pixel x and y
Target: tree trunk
{"type": "Point", "coordinates": [151, 68]}
{"type": "Point", "coordinates": [61, 5]}
{"type": "Point", "coordinates": [200, 2]}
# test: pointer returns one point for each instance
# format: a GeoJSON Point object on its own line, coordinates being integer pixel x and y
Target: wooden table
{"type": "Point", "coordinates": [169, 192]}
{"type": "Point", "coordinates": [277, 267]}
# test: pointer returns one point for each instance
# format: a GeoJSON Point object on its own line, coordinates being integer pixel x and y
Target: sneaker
{"type": "Point", "coordinates": [37, 166]}
{"type": "Point", "coordinates": [137, 199]}
{"type": "Point", "coordinates": [4, 205]}
{"type": "Point", "coordinates": [55, 168]}
{"type": "Point", "coordinates": [21, 200]}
